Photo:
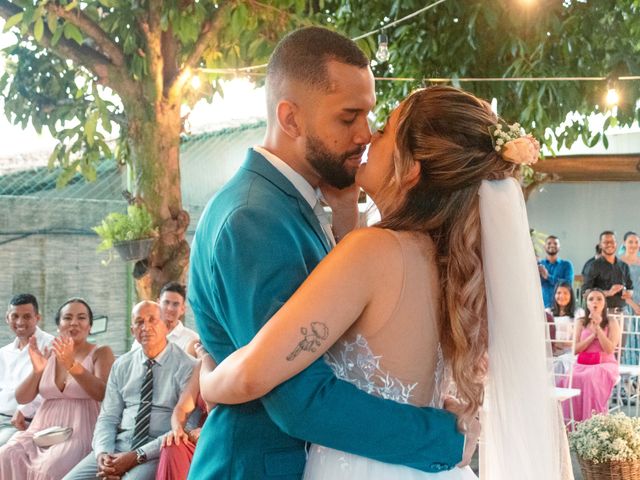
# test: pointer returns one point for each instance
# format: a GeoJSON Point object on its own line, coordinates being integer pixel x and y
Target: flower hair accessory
{"type": "Point", "coordinates": [513, 144]}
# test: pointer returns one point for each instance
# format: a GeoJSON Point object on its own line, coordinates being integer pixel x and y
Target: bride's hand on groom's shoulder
{"type": "Point", "coordinates": [340, 198]}
{"type": "Point", "coordinates": [469, 427]}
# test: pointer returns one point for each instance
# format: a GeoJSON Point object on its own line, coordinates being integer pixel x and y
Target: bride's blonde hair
{"type": "Point", "coordinates": [447, 131]}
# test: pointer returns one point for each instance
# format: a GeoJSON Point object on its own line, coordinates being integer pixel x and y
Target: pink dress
{"type": "Point", "coordinates": [21, 459]}
{"type": "Point", "coordinates": [594, 381]}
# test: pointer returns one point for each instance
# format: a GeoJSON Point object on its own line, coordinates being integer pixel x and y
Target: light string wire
{"type": "Point", "coordinates": [249, 70]}
{"type": "Point", "coordinates": [364, 35]}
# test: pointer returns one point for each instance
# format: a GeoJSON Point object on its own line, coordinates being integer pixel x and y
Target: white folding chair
{"type": "Point", "coordinates": [628, 355]}
{"type": "Point", "coordinates": [564, 394]}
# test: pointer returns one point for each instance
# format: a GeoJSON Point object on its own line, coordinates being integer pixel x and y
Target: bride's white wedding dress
{"type": "Point", "coordinates": [355, 363]}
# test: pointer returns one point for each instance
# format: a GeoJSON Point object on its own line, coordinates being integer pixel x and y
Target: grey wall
{"type": "Point", "coordinates": [577, 212]}
{"type": "Point", "coordinates": [57, 266]}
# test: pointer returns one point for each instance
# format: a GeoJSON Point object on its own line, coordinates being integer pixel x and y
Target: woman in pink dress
{"type": "Point", "coordinates": [71, 379]}
{"type": "Point", "coordinates": [596, 338]}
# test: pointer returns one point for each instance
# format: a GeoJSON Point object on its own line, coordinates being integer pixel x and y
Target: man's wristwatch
{"type": "Point", "coordinates": [141, 457]}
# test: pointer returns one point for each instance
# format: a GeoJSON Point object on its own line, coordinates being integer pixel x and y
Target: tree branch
{"type": "Point", "coordinates": [83, 56]}
{"type": "Point", "coordinates": [153, 37]}
{"type": "Point", "coordinates": [78, 18]}
{"type": "Point", "coordinates": [208, 38]}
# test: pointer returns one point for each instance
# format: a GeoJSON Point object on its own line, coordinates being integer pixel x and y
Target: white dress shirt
{"type": "Point", "coordinates": [180, 335]}
{"type": "Point", "coordinates": [15, 366]}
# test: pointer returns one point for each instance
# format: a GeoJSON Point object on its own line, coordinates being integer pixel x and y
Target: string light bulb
{"type": "Point", "coordinates": [382, 55]}
{"type": "Point", "coordinates": [196, 83]}
{"type": "Point", "coordinates": [613, 97]}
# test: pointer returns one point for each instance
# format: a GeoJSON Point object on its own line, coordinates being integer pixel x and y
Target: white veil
{"type": "Point", "coordinates": [522, 432]}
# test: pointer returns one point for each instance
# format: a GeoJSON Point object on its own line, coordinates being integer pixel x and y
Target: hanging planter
{"type": "Point", "coordinates": [131, 234]}
{"type": "Point", "coordinates": [134, 250]}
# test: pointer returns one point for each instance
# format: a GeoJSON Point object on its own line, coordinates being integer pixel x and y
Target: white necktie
{"type": "Point", "coordinates": [325, 223]}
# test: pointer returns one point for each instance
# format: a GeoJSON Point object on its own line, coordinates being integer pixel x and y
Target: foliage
{"type": "Point", "coordinates": [606, 438]}
{"type": "Point", "coordinates": [83, 70]}
{"type": "Point", "coordinates": [538, 239]}
{"type": "Point", "coordinates": [506, 38]}
{"type": "Point", "coordinates": [117, 227]}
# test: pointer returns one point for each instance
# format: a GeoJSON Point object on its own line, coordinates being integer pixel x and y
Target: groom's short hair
{"type": "Point", "coordinates": [302, 56]}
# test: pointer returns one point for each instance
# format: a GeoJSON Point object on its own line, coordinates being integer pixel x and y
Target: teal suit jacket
{"type": "Point", "coordinates": [256, 242]}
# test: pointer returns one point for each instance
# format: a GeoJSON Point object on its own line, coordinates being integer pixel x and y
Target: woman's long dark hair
{"type": "Point", "coordinates": [570, 309]}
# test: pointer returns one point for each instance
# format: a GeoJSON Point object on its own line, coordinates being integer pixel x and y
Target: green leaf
{"type": "Point", "coordinates": [71, 5]}
{"type": "Point", "coordinates": [38, 29]}
{"type": "Point", "coordinates": [52, 22]}
{"type": "Point", "coordinates": [72, 32]}
{"type": "Point", "coordinates": [56, 36]}
{"type": "Point", "coordinates": [90, 127]}
{"type": "Point", "coordinates": [13, 21]}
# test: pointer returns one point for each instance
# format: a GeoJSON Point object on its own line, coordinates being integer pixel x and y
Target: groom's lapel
{"type": "Point", "coordinates": [256, 163]}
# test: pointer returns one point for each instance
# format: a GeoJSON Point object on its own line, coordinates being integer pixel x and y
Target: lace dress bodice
{"type": "Point", "coordinates": [354, 362]}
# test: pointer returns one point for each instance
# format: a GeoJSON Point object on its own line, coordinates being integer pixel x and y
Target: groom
{"type": "Point", "coordinates": [255, 244]}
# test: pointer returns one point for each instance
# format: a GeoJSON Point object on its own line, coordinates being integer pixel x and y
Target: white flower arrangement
{"type": "Point", "coordinates": [513, 144]}
{"type": "Point", "coordinates": [607, 438]}
{"type": "Point", "coordinates": [501, 133]}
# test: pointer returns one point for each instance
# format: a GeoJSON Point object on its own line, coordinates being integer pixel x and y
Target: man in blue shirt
{"type": "Point", "coordinates": [553, 270]}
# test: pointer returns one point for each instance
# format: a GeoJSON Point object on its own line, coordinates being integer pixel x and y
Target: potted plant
{"type": "Point", "coordinates": [608, 447]}
{"type": "Point", "coordinates": [131, 234]}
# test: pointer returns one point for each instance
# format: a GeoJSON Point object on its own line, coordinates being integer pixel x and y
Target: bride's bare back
{"type": "Point", "coordinates": [399, 327]}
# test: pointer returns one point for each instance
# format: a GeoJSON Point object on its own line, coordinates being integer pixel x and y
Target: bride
{"type": "Point", "coordinates": [441, 297]}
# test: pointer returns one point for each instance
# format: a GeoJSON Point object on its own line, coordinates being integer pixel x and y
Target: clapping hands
{"type": "Point", "coordinates": [38, 358]}
{"type": "Point", "coordinates": [63, 350]}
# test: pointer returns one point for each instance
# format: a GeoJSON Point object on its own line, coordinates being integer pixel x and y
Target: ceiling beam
{"type": "Point", "coordinates": [591, 168]}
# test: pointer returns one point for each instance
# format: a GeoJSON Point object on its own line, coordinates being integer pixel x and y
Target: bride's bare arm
{"type": "Point", "coordinates": [331, 299]}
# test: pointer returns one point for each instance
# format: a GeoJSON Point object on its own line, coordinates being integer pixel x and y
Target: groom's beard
{"type": "Point", "coordinates": [331, 166]}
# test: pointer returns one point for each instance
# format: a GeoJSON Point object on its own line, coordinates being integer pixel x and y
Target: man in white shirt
{"type": "Point", "coordinates": [172, 309]}
{"type": "Point", "coordinates": [15, 364]}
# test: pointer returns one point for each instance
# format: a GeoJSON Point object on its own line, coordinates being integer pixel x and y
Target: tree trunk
{"type": "Point", "coordinates": [154, 136]}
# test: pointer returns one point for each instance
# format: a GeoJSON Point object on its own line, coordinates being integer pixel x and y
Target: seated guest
{"type": "Point", "coordinates": [142, 391]}
{"type": "Point", "coordinates": [172, 309]}
{"type": "Point", "coordinates": [72, 382]}
{"type": "Point", "coordinates": [564, 312]}
{"type": "Point", "coordinates": [595, 340]}
{"type": "Point", "coordinates": [179, 444]}
{"type": "Point", "coordinates": [22, 318]}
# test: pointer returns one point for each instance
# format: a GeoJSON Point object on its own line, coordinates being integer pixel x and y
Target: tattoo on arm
{"type": "Point", "coordinates": [310, 339]}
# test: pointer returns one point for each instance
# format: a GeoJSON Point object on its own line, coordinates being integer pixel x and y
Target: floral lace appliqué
{"type": "Point", "coordinates": [355, 363]}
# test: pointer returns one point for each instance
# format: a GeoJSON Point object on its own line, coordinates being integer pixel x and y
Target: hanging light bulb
{"type": "Point", "coordinates": [382, 55]}
{"type": "Point", "coordinates": [196, 83]}
{"type": "Point", "coordinates": [613, 97]}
